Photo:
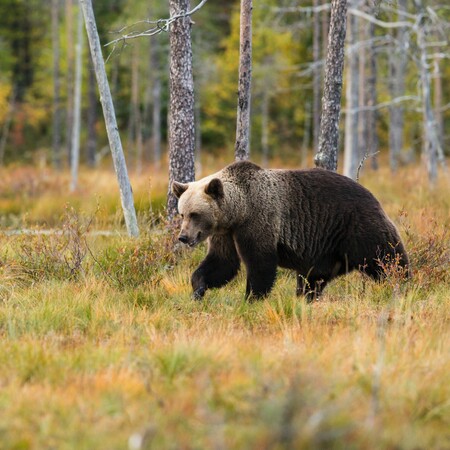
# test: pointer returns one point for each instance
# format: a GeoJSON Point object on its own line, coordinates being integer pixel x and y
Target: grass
{"type": "Point", "coordinates": [102, 346]}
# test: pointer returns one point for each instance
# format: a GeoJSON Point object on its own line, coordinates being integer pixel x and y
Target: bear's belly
{"type": "Point", "coordinates": [292, 259]}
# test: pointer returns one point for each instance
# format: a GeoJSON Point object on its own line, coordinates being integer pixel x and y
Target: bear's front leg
{"type": "Point", "coordinates": [261, 277]}
{"type": "Point", "coordinates": [219, 267]}
{"type": "Point", "coordinates": [261, 262]}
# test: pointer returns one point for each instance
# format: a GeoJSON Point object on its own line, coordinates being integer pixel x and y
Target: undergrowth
{"type": "Point", "coordinates": [102, 345]}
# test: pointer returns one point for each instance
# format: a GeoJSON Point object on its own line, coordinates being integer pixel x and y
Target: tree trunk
{"type": "Point", "coordinates": [155, 62]}
{"type": "Point", "coordinates": [181, 112]}
{"type": "Point", "coordinates": [351, 102]}
{"type": "Point", "coordinates": [198, 135]}
{"type": "Point", "coordinates": [325, 26]}
{"type": "Point", "coordinates": [316, 77]}
{"type": "Point", "coordinates": [430, 141]}
{"type": "Point", "coordinates": [7, 123]}
{"type": "Point", "coordinates": [362, 93]}
{"type": "Point", "coordinates": [75, 156]}
{"type": "Point", "coordinates": [397, 65]}
{"type": "Point", "coordinates": [69, 78]}
{"type": "Point", "coordinates": [242, 147]}
{"type": "Point", "coordinates": [306, 135]}
{"type": "Point", "coordinates": [331, 100]}
{"type": "Point", "coordinates": [372, 100]}
{"type": "Point", "coordinates": [437, 76]}
{"type": "Point", "coordinates": [91, 144]}
{"type": "Point", "coordinates": [56, 126]}
{"type": "Point", "coordinates": [265, 126]}
{"type": "Point", "coordinates": [134, 127]}
{"type": "Point", "coordinates": [126, 194]}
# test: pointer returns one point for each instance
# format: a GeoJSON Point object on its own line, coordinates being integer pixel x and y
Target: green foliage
{"type": "Point", "coordinates": [282, 56]}
{"type": "Point", "coordinates": [275, 53]}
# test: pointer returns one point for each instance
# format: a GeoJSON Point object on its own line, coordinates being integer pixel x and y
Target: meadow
{"type": "Point", "coordinates": [102, 346]}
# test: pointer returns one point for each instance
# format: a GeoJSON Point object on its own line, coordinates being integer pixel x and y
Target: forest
{"type": "Point", "coordinates": [102, 344]}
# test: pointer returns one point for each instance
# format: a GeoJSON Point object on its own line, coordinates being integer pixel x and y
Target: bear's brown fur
{"type": "Point", "coordinates": [316, 222]}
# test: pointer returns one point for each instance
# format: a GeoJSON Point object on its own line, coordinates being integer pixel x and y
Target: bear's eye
{"type": "Point", "coordinates": [182, 216]}
{"type": "Point", "coordinates": [194, 215]}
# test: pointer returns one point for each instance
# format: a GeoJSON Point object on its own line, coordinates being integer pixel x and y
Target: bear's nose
{"type": "Point", "coordinates": [183, 238]}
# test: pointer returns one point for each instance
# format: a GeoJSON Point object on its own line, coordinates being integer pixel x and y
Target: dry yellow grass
{"type": "Point", "coordinates": [115, 353]}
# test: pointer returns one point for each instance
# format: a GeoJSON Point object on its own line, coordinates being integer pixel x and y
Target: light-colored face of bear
{"type": "Point", "coordinates": [199, 209]}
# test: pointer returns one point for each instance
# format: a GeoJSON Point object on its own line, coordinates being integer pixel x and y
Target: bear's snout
{"type": "Point", "coordinates": [186, 239]}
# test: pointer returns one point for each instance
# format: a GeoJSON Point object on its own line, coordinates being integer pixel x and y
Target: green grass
{"type": "Point", "coordinates": [102, 346]}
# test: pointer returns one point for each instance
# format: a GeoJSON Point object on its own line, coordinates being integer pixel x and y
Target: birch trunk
{"type": "Point", "coordinates": [181, 110]}
{"type": "Point", "coordinates": [325, 26]}
{"type": "Point", "coordinates": [351, 103]}
{"type": "Point", "coordinates": [327, 155]}
{"type": "Point", "coordinates": [306, 135]}
{"type": "Point", "coordinates": [397, 63]}
{"type": "Point", "coordinates": [56, 125]}
{"type": "Point", "coordinates": [69, 78]}
{"type": "Point", "coordinates": [316, 77]}
{"type": "Point", "coordinates": [362, 93]}
{"type": "Point", "coordinates": [198, 136]}
{"type": "Point", "coordinates": [91, 144]}
{"type": "Point", "coordinates": [156, 123]}
{"type": "Point", "coordinates": [7, 124]}
{"type": "Point", "coordinates": [372, 100]}
{"type": "Point", "coordinates": [437, 76]}
{"type": "Point", "coordinates": [135, 131]}
{"type": "Point", "coordinates": [265, 127]}
{"type": "Point", "coordinates": [75, 155]}
{"type": "Point", "coordinates": [430, 141]}
{"type": "Point", "coordinates": [242, 147]}
{"type": "Point", "coordinates": [126, 194]}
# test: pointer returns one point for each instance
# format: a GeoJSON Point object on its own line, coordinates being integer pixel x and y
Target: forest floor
{"type": "Point", "coordinates": [102, 346]}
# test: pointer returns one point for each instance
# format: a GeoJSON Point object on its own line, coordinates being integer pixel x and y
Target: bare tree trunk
{"type": "Point", "coordinates": [7, 124]}
{"type": "Point", "coordinates": [331, 100]}
{"type": "Point", "coordinates": [352, 102]}
{"type": "Point", "coordinates": [316, 77]}
{"type": "Point", "coordinates": [126, 193]}
{"type": "Point", "coordinates": [372, 100]}
{"type": "Point", "coordinates": [198, 136]}
{"type": "Point", "coordinates": [397, 65]}
{"type": "Point", "coordinates": [155, 62]}
{"type": "Point", "coordinates": [437, 76]}
{"type": "Point", "coordinates": [430, 141]}
{"type": "Point", "coordinates": [242, 147]}
{"type": "Point", "coordinates": [265, 126]}
{"type": "Point", "coordinates": [56, 126]}
{"type": "Point", "coordinates": [75, 156]}
{"type": "Point", "coordinates": [181, 112]}
{"type": "Point", "coordinates": [325, 27]}
{"type": "Point", "coordinates": [91, 144]}
{"type": "Point", "coordinates": [69, 78]}
{"type": "Point", "coordinates": [306, 135]}
{"type": "Point", "coordinates": [362, 93]}
{"type": "Point", "coordinates": [134, 127]}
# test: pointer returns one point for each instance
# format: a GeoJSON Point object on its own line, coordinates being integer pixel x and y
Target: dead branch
{"type": "Point", "coordinates": [159, 26]}
{"type": "Point", "coordinates": [361, 163]}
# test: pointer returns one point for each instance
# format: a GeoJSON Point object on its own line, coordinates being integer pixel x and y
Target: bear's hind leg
{"type": "Point", "coordinates": [219, 267]}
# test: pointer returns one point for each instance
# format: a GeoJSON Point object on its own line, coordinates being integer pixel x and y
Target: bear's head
{"type": "Point", "coordinates": [199, 207]}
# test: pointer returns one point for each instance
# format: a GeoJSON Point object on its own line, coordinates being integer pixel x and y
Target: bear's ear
{"type": "Point", "coordinates": [215, 189]}
{"type": "Point", "coordinates": [179, 188]}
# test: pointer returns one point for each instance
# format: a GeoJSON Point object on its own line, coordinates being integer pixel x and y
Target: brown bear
{"type": "Point", "coordinates": [316, 222]}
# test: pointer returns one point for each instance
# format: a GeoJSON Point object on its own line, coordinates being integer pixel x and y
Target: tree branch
{"type": "Point", "coordinates": [160, 25]}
